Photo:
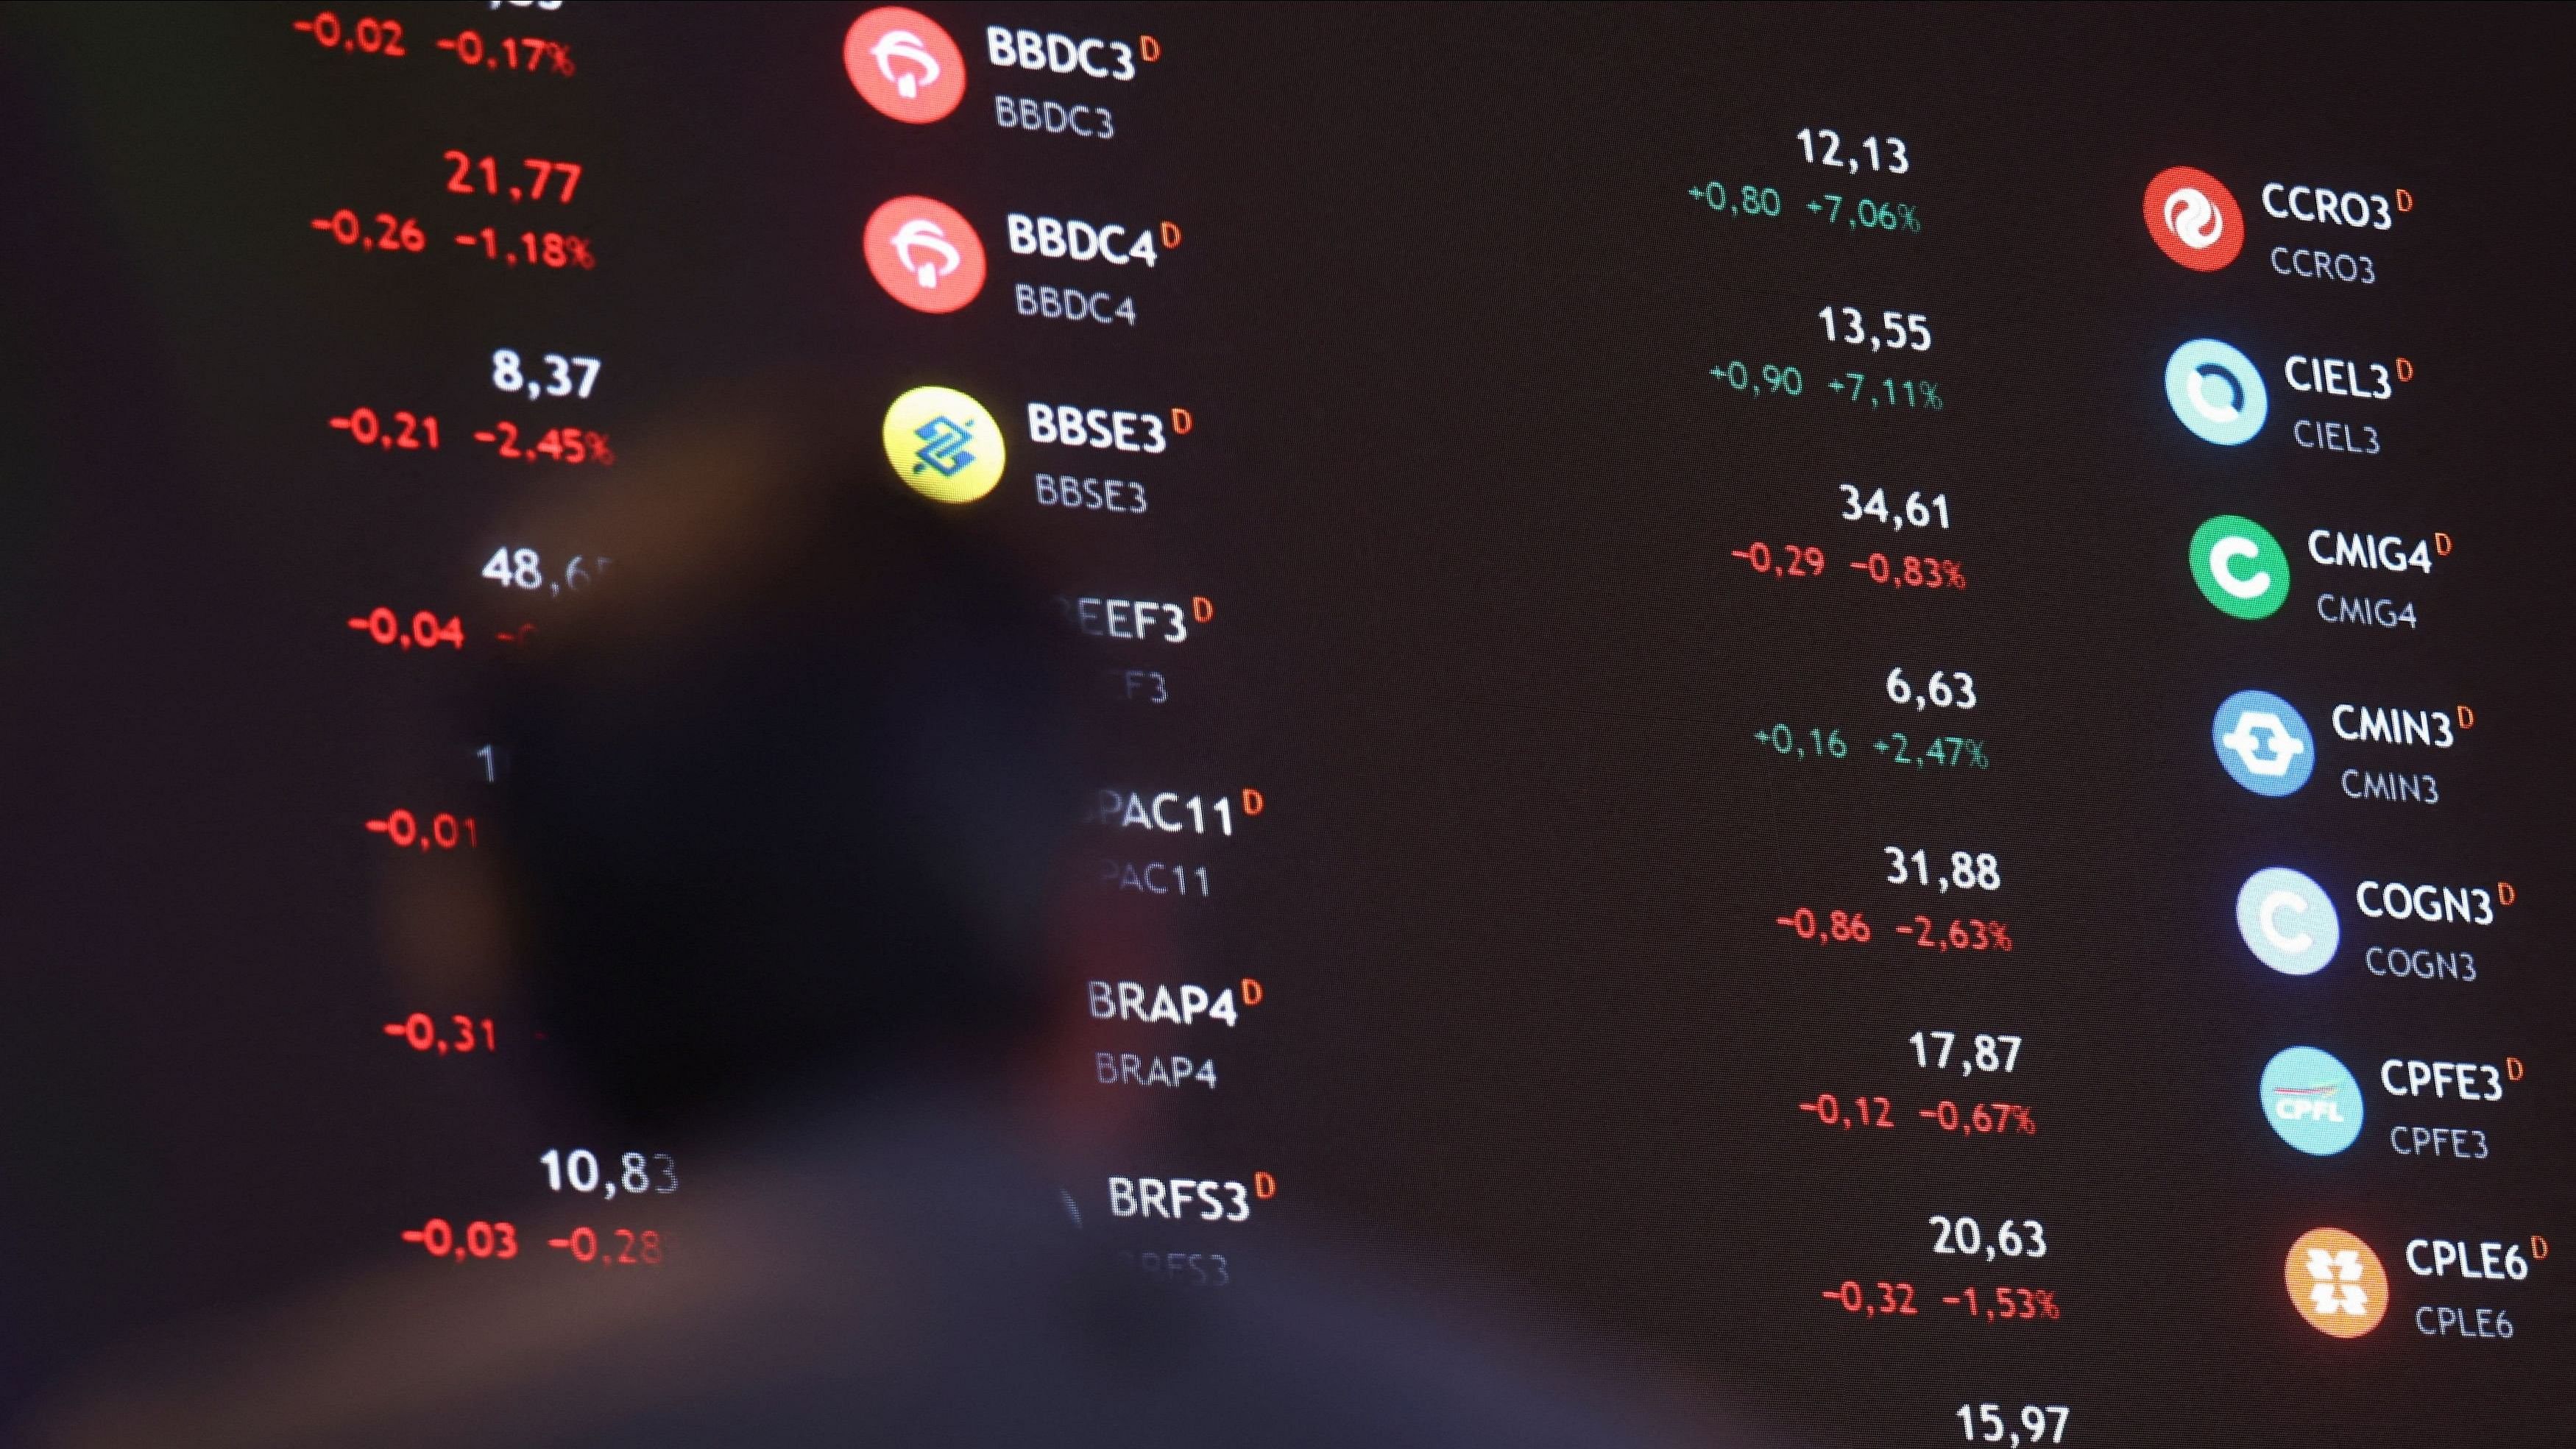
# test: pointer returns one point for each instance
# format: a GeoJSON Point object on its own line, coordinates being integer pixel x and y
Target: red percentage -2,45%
{"type": "Point", "coordinates": [443, 832]}
{"type": "Point", "coordinates": [1975, 1119]}
{"type": "Point", "coordinates": [558, 445]}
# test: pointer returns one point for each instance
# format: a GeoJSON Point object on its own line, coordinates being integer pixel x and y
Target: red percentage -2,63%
{"type": "Point", "coordinates": [510, 52]}
{"type": "Point", "coordinates": [440, 1239]}
{"type": "Point", "coordinates": [407, 431]}
{"type": "Point", "coordinates": [1973, 1119]}
{"type": "Point", "coordinates": [426, 631]}
{"type": "Point", "coordinates": [420, 1032]}
{"type": "Point", "coordinates": [557, 445]}
{"type": "Point", "coordinates": [551, 249]}
{"type": "Point", "coordinates": [628, 1248]}
{"type": "Point", "coordinates": [443, 832]}
{"type": "Point", "coordinates": [1959, 935]}
{"type": "Point", "coordinates": [1836, 928]}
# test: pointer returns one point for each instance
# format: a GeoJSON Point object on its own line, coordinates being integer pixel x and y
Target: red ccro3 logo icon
{"type": "Point", "coordinates": [904, 64]}
{"type": "Point", "coordinates": [2194, 218]}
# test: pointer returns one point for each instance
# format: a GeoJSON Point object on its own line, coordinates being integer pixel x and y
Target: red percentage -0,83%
{"type": "Point", "coordinates": [443, 832]}
{"type": "Point", "coordinates": [1909, 571]}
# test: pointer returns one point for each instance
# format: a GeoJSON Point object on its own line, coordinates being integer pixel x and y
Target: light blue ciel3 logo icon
{"type": "Point", "coordinates": [2216, 390]}
{"type": "Point", "coordinates": [2263, 743]}
{"type": "Point", "coordinates": [2288, 921]}
{"type": "Point", "coordinates": [2312, 1101]}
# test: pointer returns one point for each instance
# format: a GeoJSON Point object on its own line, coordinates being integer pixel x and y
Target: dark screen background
{"type": "Point", "coordinates": [1465, 494]}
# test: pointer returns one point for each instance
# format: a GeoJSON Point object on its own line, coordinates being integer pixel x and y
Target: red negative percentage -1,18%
{"type": "Point", "coordinates": [552, 249]}
{"type": "Point", "coordinates": [1806, 561]}
{"type": "Point", "coordinates": [1974, 1119]}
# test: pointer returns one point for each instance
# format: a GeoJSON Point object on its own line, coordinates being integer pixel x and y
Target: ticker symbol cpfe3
{"type": "Point", "coordinates": [904, 64]}
{"type": "Point", "coordinates": [2194, 218]}
{"type": "Point", "coordinates": [944, 443]}
{"type": "Point", "coordinates": [924, 254]}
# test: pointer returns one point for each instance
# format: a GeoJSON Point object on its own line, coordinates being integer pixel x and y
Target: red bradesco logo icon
{"type": "Point", "coordinates": [904, 64]}
{"type": "Point", "coordinates": [2194, 218]}
{"type": "Point", "coordinates": [924, 254]}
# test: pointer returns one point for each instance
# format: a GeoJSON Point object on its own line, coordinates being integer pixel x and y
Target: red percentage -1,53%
{"type": "Point", "coordinates": [1998, 1303]}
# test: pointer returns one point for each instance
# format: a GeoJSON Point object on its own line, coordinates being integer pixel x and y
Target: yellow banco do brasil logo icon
{"type": "Point", "coordinates": [944, 444]}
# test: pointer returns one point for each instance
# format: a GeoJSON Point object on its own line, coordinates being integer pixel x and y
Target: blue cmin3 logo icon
{"type": "Point", "coordinates": [2263, 743]}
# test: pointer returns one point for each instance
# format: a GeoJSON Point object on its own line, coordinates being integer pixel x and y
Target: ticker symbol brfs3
{"type": "Point", "coordinates": [2241, 568]}
{"type": "Point", "coordinates": [2194, 218]}
{"type": "Point", "coordinates": [944, 443]}
{"type": "Point", "coordinates": [2263, 743]}
{"type": "Point", "coordinates": [904, 64]}
{"type": "Point", "coordinates": [2312, 1101]}
{"type": "Point", "coordinates": [2336, 1282]}
{"type": "Point", "coordinates": [2217, 391]}
{"type": "Point", "coordinates": [924, 254]}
